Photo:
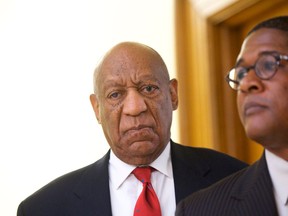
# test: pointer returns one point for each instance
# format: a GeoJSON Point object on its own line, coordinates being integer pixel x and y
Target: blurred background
{"type": "Point", "coordinates": [49, 49]}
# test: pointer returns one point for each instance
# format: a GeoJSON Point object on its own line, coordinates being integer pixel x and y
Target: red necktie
{"type": "Point", "coordinates": [147, 203]}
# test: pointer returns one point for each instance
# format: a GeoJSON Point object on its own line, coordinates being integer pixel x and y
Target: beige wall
{"type": "Point", "coordinates": [48, 53]}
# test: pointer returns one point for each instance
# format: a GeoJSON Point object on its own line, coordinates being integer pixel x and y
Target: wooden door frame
{"type": "Point", "coordinates": [206, 48]}
{"type": "Point", "coordinates": [228, 29]}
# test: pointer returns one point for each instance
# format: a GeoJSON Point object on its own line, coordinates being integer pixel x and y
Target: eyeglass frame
{"type": "Point", "coordinates": [278, 57]}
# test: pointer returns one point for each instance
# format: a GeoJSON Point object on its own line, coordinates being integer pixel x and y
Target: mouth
{"type": "Point", "coordinates": [141, 132]}
{"type": "Point", "coordinates": [137, 128]}
{"type": "Point", "coordinates": [253, 108]}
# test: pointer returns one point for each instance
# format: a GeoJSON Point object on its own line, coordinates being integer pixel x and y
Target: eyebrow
{"type": "Point", "coordinates": [115, 83]}
{"type": "Point", "coordinates": [260, 54]}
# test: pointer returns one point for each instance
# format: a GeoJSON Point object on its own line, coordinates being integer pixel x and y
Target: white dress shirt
{"type": "Point", "coordinates": [125, 187]}
{"type": "Point", "coordinates": [278, 169]}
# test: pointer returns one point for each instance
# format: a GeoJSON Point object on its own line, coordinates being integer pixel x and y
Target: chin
{"type": "Point", "coordinates": [141, 147]}
{"type": "Point", "coordinates": [257, 135]}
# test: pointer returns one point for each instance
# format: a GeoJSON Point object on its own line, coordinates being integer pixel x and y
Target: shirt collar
{"type": "Point", "coordinates": [119, 171]}
{"type": "Point", "coordinates": [163, 163]}
{"type": "Point", "coordinates": [278, 169]}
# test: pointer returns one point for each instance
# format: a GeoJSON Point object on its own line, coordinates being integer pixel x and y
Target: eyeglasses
{"type": "Point", "coordinates": [265, 68]}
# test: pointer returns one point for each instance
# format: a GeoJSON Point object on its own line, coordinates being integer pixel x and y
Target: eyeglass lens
{"type": "Point", "coordinates": [265, 67]}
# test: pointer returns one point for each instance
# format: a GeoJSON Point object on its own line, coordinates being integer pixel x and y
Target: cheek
{"type": "Point", "coordinates": [285, 90]}
{"type": "Point", "coordinates": [108, 110]}
{"type": "Point", "coordinates": [239, 106]}
{"type": "Point", "coordinates": [281, 104]}
{"type": "Point", "coordinates": [164, 112]}
{"type": "Point", "coordinates": [110, 117]}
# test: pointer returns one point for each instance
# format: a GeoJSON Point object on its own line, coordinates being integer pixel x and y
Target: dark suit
{"type": "Point", "coordinates": [246, 193]}
{"type": "Point", "coordinates": [85, 192]}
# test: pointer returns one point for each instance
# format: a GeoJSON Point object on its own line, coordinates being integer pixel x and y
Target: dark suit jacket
{"type": "Point", "coordinates": [246, 193]}
{"type": "Point", "coordinates": [85, 192]}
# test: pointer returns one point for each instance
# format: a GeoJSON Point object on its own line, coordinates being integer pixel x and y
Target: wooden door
{"type": "Point", "coordinates": [227, 30]}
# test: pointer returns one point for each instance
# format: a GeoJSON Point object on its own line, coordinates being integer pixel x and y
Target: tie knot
{"type": "Point", "coordinates": [143, 174]}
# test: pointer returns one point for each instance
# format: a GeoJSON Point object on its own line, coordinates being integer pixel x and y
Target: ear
{"type": "Point", "coordinates": [95, 106]}
{"type": "Point", "coordinates": [173, 86]}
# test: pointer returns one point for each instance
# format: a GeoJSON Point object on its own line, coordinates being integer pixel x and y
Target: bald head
{"type": "Point", "coordinates": [133, 101]}
{"type": "Point", "coordinates": [125, 53]}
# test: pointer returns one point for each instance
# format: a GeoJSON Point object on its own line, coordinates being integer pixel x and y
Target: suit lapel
{"type": "Point", "coordinates": [93, 190]}
{"type": "Point", "coordinates": [254, 191]}
{"type": "Point", "coordinates": [187, 164]}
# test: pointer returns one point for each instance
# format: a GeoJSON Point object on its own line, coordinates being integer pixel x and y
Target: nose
{"type": "Point", "coordinates": [134, 103]}
{"type": "Point", "coordinates": [251, 83]}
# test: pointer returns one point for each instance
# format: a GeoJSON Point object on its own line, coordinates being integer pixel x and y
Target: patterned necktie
{"type": "Point", "coordinates": [147, 203]}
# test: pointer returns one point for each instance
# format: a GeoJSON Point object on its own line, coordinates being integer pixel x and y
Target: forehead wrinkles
{"type": "Point", "coordinates": [130, 60]}
{"type": "Point", "coordinates": [132, 67]}
{"type": "Point", "coordinates": [136, 80]}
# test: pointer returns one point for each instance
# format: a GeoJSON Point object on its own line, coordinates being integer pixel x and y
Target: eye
{"type": "Point", "coordinates": [269, 66]}
{"type": "Point", "coordinates": [114, 95]}
{"type": "Point", "coordinates": [149, 89]}
{"type": "Point", "coordinates": [240, 73]}
{"type": "Point", "coordinates": [266, 67]}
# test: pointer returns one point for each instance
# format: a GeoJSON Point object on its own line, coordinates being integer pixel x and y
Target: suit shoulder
{"type": "Point", "coordinates": [62, 188]}
{"type": "Point", "coordinates": [216, 196]}
{"type": "Point", "coordinates": [207, 155]}
{"type": "Point", "coordinates": [211, 164]}
{"type": "Point", "coordinates": [224, 186]}
{"type": "Point", "coordinates": [62, 183]}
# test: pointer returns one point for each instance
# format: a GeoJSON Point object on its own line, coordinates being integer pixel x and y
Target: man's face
{"type": "Point", "coordinates": [263, 104]}
{"type": "Point", "coordinates": [135, 103]}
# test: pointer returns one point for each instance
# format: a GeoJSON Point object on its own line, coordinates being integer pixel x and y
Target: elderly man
{"type": "Point", "coordinates": [144, 173]}
{"type": "Point", "coordinates": [260, 78]}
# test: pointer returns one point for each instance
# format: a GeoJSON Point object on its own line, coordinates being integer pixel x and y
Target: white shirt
{"type": "Point", "coordinates": [278, 169]}
{"type": "Point", "coordinates": [125, 187]}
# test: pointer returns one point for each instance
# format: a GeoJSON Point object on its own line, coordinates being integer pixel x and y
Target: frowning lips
{"type": "Point", "coordinates": [253, 107]}
{"type": "Point", "coordinates": [140, 132]}
{"type": "Point", "coordinates": [137, 129]}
